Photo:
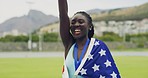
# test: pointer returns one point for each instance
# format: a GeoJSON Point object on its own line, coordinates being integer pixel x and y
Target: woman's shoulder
{"type": "Point", "coordinates": [98, 41]}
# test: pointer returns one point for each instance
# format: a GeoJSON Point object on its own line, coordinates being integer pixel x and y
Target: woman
{"type": "Point", "coordinates": [85, 57]}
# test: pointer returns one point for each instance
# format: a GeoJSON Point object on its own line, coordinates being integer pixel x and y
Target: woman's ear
{"type": "Point", "coordinates": [90, 28]}
{"type": "Point", "coordinates": [70, 31]}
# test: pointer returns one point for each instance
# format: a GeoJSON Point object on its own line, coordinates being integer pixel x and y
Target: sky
{"type": "Point", "coordinates": [18, 8]}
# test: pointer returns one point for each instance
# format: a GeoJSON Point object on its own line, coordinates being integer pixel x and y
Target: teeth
{"type": "Point", "coordinates": [76, 30]}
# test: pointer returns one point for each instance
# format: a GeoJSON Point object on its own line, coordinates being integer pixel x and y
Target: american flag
{"type": "Point", "coordinates": [99, 63]}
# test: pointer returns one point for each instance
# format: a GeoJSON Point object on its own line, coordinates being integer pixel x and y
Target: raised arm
{"type": "Point", "coordinates": [64, 24]}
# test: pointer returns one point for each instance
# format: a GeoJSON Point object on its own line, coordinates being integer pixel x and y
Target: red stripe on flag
{"type": "Point", "coordinates": [63, 69]}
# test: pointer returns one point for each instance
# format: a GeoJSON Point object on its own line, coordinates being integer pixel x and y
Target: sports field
{"type": "Point", "coordinates": [129, 67]}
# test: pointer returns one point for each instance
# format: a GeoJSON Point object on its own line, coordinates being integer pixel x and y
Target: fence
{"type": "Point", "coordinates": [58, 46]}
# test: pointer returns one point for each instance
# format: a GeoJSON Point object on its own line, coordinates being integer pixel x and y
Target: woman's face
{"type": "Point", "coordinates": [79, 26]}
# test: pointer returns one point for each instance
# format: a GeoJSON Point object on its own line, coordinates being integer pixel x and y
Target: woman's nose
{"type": "Point", "coordinates": [77, 24]}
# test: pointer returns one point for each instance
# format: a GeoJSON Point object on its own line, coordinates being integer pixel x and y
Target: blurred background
{"type": "Point", "coordinates": [34, 25]}
{"type": "Point", "coordinates": [30, 28]}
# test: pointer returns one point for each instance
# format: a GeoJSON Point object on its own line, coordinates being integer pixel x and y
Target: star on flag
{"type": "Point", "coordinates": [102, 52]}
{"type": "Point", "coordinates": [95, 67]}
{"type": "Point", "coordinates": [96, 43]}
{"type": "Point", "coordinates": [102, 76]}
{"type": "Point", "coordinates": [90, 57]}
{"type": "Point", "coordinates": [83, 71]}
{"type": "Point", "coordinates": [114, 75]}
{"type": "Point", "coordinates": [107, 63]}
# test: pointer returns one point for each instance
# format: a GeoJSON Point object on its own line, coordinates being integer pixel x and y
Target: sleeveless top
{"type": "Point", "coordinates": [70, 64]}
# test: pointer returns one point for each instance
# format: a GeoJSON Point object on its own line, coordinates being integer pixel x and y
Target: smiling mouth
{"type": "Point", "coordinates": [77, 31]}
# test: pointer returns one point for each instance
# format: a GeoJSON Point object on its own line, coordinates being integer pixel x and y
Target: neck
{"type": "Point", "coordinates": [81, 42]}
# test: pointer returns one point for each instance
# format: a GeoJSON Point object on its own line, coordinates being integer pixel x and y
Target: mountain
{"type": "Point", "coordinates": [120, 14]}
{"type": "Point", "coordinates": [27, 23]}
{"type": "Point", "coordinates": [93, 11]}
{"type": "Point", "coordinates": [36, 19]}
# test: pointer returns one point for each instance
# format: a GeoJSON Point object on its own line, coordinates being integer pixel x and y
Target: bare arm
{"type": "Point", "coordinates": [65, 25]}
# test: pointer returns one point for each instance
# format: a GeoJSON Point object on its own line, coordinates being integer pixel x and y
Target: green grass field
{"type": "Point", "coordinates": [129, 67]}
{"type": "Point", "coordinates": [132, 66]}
{"type": "Point", "coordinates": [30, 67]}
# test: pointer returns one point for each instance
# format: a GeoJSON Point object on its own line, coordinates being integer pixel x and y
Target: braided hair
{"type": "Point", "coordinates": [91, 30]}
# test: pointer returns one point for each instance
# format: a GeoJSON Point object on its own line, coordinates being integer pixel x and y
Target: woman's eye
{"type": "Point", "coordinates": [81, 21]}
{"type": "Point", "coordinates": [73, 22]}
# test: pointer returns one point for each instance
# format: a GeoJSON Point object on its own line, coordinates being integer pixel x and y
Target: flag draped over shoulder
{"type": "Point", "coordinates": [98, 62]}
